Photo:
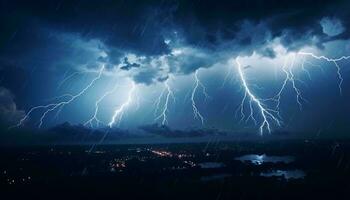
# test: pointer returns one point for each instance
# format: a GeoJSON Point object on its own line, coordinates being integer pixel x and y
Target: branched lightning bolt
{"type": "Point", "coordinates": [333, 60]}
{"type": "Point", "coordinates": [54, 106]}
{"type": "Point", "coordinates": [94, 118]}
{"type": "Point", "coordinates": [295, 88]}
{"type": "Point", "coordinates": [304, 69]}
{"type": "Point", "coordinates": [158, 101]}
{"type": "Point", "coordinates": [169, 93]}
{"type": "Point", "coordinates": [268, 115]}
{"type": "Point", "coordinates": [118, 113]}
{"type": "Point", "coordinates": [289, 77]}
{"type": "Point", "coordinates": [273, 115]}
{"type": "Point", "coordinates": [197, 84]}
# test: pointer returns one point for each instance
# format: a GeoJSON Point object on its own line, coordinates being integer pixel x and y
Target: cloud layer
{"type": "Point", "coordinates": [164, 37]}
{"type": "Point", "coordinates": [8, 108]}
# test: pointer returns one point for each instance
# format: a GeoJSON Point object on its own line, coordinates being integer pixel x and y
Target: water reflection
{"type": "Point", "coordinates": [260, 159]}
{"type": "Point", "coordinates": [287, 174]}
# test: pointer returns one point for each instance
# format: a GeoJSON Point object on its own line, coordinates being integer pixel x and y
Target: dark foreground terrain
{"type": "Point", "coordinates": [302, 169]}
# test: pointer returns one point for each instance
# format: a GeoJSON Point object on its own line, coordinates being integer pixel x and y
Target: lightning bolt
{"type": "Point", "coordinates": [118, 113]}
{"type": "Point", "coordinates": [158, 101]}
{"type": "Point", "coordinates": [289, 78]}
{"type": "Point", "coordinates": [304, 69]}
{"type": "Point", "coordinates": [94, 119]}
{"type": "Point", "coordinates": [168, 93]}
{"type": "Point", "coordinates": [54, 106]}
{"type": "Point", "coordinates": [268, 115]}
{"type": "Point", "coordinates": [197, 84]}
{"type": "Point", "coordinates": [273, 115]}
{"type": "Point", "coordinates": [332, 60]}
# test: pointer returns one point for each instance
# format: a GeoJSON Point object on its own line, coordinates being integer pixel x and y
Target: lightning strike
{"type": "Point", "coordinates": [273, 115]}
{"type": "Point", "coordinates": [268, 115]}
{"type": "Point", "coordinates": [198, 83]}
{"type": "Point", "coordinates": [158, 101]}
{"type": "Point", "coordinates": [289, 78]}
{"type": "Point", "coordinates": [58, 106]}
{"type": "Point", "coordinates": [118, 113]}
{"type": "Point", "coordinates": [169, 93]}
{"type": "Point", "coordinates": [299, 97]}
{"type": "Point", "coordinates": [94, 119]}
{"type": "Point", "coordinates": [304, 69]}
{"type": "Point", "coordinates": [334, 61]}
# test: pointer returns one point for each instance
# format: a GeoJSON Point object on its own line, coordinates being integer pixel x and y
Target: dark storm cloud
{"type": "Point", "coordinates": [127, 65]}
{"type": "Point", "coordinates": [131, 25]}
{"type": "Point", "coordinates": [147, 77]}
{"type": "Point", "coordinates": [12, 76]}
{"type": "Point", "coordinates": [51, 50]}
{"type": "Point", "coordinates": [267, 52]}
{"type": "Point", "coordinates": [61, 34]}
{"type": "Point", "coordinates": [332, 26]}
{"type": "Point", "coordinates": [211, 23]}
{"type": "Point", "coordinates": [8, 108]}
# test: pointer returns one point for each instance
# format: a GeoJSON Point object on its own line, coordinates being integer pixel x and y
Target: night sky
{"type": "Point", "coordinates": [138, 61]}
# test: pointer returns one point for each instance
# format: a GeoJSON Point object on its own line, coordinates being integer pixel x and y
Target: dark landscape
{"type": "Point", "coordinates": [293, 169]}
